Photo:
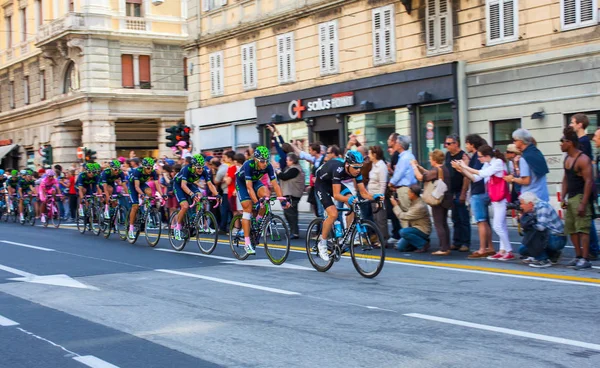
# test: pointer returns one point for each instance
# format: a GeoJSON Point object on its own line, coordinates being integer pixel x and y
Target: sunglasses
{"type": "Point", "coordinates": [356, 167]}
{"type": "Point", "coordinates": [449, 143]}
{"type": "Point", "coordinates": [262, 161]}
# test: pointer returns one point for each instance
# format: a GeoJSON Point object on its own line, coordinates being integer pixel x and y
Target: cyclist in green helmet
{"type": "Point", "coordinates": [109, 179]}
{"type": "Point", "coordinates": [138, 187]}
{"type": "Point", "coordinates": [87, 184]}
{"type": "Point", "coordinates": [250, 188]}
{"type": "Point", "coordinates": [12, 186]}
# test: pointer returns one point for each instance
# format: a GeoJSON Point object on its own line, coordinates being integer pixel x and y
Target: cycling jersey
{"type": "Point", "coordinates": [188, 174]}
{"type": "Point", "coordinates": [250, 171]}
{"type": "Point", "coordinates": [48, 183]}
{"type": "Point", "coordinates": [107, 177]}
{"type": "Point", "coordinates": [3, 181]}
{"type": "Point", "coordinates": [84, 181]}
{"type": "Point", "coordinates": [13, 182]}
{"type": "Point", "coordinates": [138, 174]}
{"type": "Point", "coordinates": [26, 185]}
{"type": "Point", "coordinates": [332, 172]}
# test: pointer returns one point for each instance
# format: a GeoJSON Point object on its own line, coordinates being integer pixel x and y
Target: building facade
{"type": "Point", "coordinates": [104, 74]}
{"type": "Point", "coordinates": [324, 69]}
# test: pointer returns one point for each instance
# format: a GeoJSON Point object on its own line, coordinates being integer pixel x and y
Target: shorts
{"type": "Point", "coordinates": [479, 207]}
{"type": "Point", "coordinates": [181, 196]}
{"type": "Point", "coordinates": [573, 223]}
{"type": "Point", "coordinates": [113, 185]}
{"type": "Point", "coordinates": [43, 194]}
{"type": "Point", "coordinates": [89, 189]}
{"type": "Point", "coordinates": [134, 195]}
{"type": "Point", "coordinates": [242, 191]}
{"type": "Point", "coordinates": [24, 193]}
{"type": "Point", "coordinates": [324, 193]}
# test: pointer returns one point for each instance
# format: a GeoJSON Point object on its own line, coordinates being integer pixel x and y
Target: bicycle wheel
{"type": "Point", "coordinates": [276, 237]}
{"type": "Point", "coordinates": [55, 217]}
{"type": "Point", "coordinates": [236, 238]}
{"type": "Point", "coordinates": [96, 220]}
{"type": "Point", "coordinates": [31, 214]}
{"type": "Point", "coordinates": [178, 245]}
{"type": "Point", "coordinates": [207, 232]}
{"type": "Point", "coordinates": [120, 222]}
{"type": "Point", "coordinates": [312, 240]}
{"type": "Point", "coordinates": [48, 213]}
{"type": "Point", "coordinates": [82, 223]}
{"type": "Point", "coordinates": [136, 228]}
{"type": "Point", "coordinates": [367, 249]}
{"type": "Point", "coordinates": [153, 227]}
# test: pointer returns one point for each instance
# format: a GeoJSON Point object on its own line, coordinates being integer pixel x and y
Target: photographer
{"type": "Point", "coordinates": [543, 230]}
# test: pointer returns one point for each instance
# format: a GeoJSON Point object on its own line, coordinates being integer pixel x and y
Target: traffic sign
{"type": "Point", "coordinates": [429, 134]}
{"type": "Point", "coordinates": [41, 151]}
{"type": "Point", "coordinates": [80, 153]}
{"type": "Point", "coordinates": [429, 125]}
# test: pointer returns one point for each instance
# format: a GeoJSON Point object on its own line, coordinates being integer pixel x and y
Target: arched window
{"type": "Point", "coordinates": [71, 78]}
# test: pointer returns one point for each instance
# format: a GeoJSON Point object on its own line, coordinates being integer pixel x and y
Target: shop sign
{"type": "Point", "coordinates": [338, 100]}
{"type": "Point", "coordinates": [6, 142]}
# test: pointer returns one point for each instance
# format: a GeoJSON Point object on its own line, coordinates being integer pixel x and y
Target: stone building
{"type": "Point", "coordinates": [104, 74]}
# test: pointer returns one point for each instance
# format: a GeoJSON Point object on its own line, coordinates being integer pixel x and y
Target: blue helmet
{"type": "Point", "coordinates": [1, 172]}
{"type": "Point", "coordinates": [354, 158]}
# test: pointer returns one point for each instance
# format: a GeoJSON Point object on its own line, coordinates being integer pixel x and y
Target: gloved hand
{"type": "Point", "coordinates": [351, 200]}
{"type": "Point", "coordinates": [377, 196]}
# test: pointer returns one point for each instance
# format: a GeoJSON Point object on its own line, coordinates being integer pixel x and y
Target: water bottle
{"type": "Point", "coordinates": [339, 232]}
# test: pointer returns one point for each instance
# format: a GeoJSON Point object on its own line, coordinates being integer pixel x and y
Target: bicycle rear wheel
{"type": "Point", "coordinates": [96, 220]}
{"type": "Point", "coordinates": [136, 228]}
{"type": "Point", "coordinates": [277, 240]}
{"type": "Point", "coordinates": [153, 227]}
{"type": "Point", "coordinates": [367, 249]}
{"type": "Point", "coordinates": [236, 238]}
{"type": "Point", "coordinates": [82, 223]}
{"type": "Point", "coordinates": [120, 222]}
{"type": "Point", "coordinates": [31, 213]}
{"type": "Point", "coordinates": [55, 218]}
{"type": "Point", "coordinates": [178, 245]}
{"type": "Point", "coordinates": [207, 232]}
{"type": "Point", "coordinates": [312, 240]}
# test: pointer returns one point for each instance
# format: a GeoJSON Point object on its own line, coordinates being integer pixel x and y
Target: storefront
{"type": "Point", "coordinates": [226, 126]}
{"type": "Point", "coordinates": [421, 103]}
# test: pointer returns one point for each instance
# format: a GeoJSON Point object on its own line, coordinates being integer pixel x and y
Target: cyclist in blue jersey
{"type": "Point", "coordinates": [185, 187]}
{"type": "Point", "coordinates": [87, 183]}
{"type": "Point", "coordinates": [328, 184]}
{"type": "Point", "coordinates": [26, 185]}
{"type": "Point", "coordinates": [249, 188]}
{"type": "Point", "coordinates": [138, 178]}
{"type": "Point", "coordinates": [109, 179]}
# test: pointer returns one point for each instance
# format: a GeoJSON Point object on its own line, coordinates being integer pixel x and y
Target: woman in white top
{"type": "Point", "coordinates": [493, 165]}
{"type": "Point", "coordinates": [378, 177]}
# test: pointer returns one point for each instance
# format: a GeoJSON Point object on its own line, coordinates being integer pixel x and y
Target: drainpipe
{"type": "Point", "coordinates": [461, 91]}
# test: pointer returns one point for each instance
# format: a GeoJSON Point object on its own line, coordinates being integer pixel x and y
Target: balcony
{"type": "Point", "coordinates": [135, 24]}
{"type": "Point", "coordinates": [70, 22]}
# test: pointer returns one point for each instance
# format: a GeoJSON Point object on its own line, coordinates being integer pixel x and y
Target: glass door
{"type": "Point", "coordinates": [434, 124]}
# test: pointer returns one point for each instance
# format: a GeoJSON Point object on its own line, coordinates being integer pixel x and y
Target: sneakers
{"type": "Point", "coordinates": [43, 219]}
{"type": "Point", "coordinates": [323, 250]}
{"type": "Point", "coordinates": [393, 240]}
{"type": "Point", "coordinates": [529, 260]}
{"type": "Point", "coordinates": [131, 232]}
{"type": "Point", "coordinates": [22, 218]}
{"type": "Point", "coordinates": [81, 214]}
{"type": "Point", "coordinates": [555, 257]}
{"type": "Point", "coordinates": [496, 256]}
{"type": "Point", "coordinates": [106, 214]}
{"type": "Point", "coordinates": [507, 257]}
{"type": "Point", "coordinates": [582, 264]}
{"type": "Point", "coordinates": [249, 249]}
{"type": "Point", "coordinates": [573, 262]}
{"type": "Point", "coordinates": [541, 264]}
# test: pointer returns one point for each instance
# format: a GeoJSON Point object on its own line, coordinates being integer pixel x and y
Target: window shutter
{"type": "Point", "coordinates": [223, 2]}
{"type": "Point", "coordinates": [323, 47]}
{"type": "Point", "coordinates": [494, 20]}
{"type": "Point", "coordinates": [216, 73]}
{"type": "Point", "coordinates": [578, 13]}
{"type": "Point", "coordinates": [127, 70]}
{"type": "Point", "coordinates": [221, 72]}
{"type": "Point", "coordinates": [502, 19]}
{"type": "Point", "coordinates": [430, 28]}
{"type": "Point", "coordinates": [377, 36]}
{"type": "Point", "coordinates": [285, 58]}
{"type": "Point", "coordinates": [328, 45]}
{"type": "Point", "coordinates": [444, 23]}
{"type": "Point", "coordinates": [205, 5]}
{"type": "Point", "coordinates": [333, 47]}
{"type": "Point", "coordinates": [252, 66]}
{"type": "Point", "coordinates": [588, 11]}
{"type": "Point", "coordinates": [213, 72]}
{"type": "Point", "coordinates": [509, 18]}
{"type": "Point", "coordinates": [144, 68]}
{"type": "Point", "coordinates": [245, 71]}
{"type": "Point", "coordinates": [281, 59]}
{"type": "Point", "coordinates": [439, 26]}
{"type": "Point", "coordinates": [389, 31]}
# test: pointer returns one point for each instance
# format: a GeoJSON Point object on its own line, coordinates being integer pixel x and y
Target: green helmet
{"type": "Point", "coordinates": [114, 164]}
{"type": "Point", "coordinates": [14, 173]}
{"type": "Point", "coordinates": [89, 167]}
{"type": "Point", "coordinates": [262, 153]}
{"type": "Point", "coordinates": [197, 160]}
{"type": "Point", "coordinates": [148, 162]}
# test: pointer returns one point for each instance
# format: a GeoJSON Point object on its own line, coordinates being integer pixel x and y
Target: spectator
{"type": "Point", "coordinates": [576, 193]}
{"type": "Point", "coordinates": [72, 195]}
{"type": "Point", "coordinates": [458, 188]}
{"type": "Point", "coordinates": [512, 157]}
{"type": "Point", "coordinates": [492, 172]}
{"type": "Point", "coordinates": [388, 205]}
{"type": "Point", "coordinates": [439, 212]}
{"type": "Point", "coordinates": [281, 146]}
{"type": "Point", "coordinates": [315, 157]}
{"type": "Point", "coordinates": [416, 224]}
{"type": "Point", "coordinates": [292, 181]}
{"type": "Point", "coordinates": [532, 165]}
{"type": "Point", "coordinates": [64, 183]}
{"type": "Point", "coordinates": [166, 181]}
{"type": "Point", "coordinates": [223, 185]}
{"type": "Point", "coordinates": [234, 201]}
{"type": "Point", "coordinates": [378, 177]}
{"type": "Point", "coordinates": [543, 238]}
{"type": "Point", "coordinates": [365, 208]}
{"type": "Point", "coordinates": [404, 175]}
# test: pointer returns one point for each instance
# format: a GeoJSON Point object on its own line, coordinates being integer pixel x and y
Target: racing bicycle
{"type": "Point", "coordinates": [117, 221]}
{"type": "Point", "coordinates": [147, 219]}
{"type": "Point", "coordinates": [92, 215]}
{"type": "Point", "coordinates": [198, 223]}
{"type": "Point", "coordinates": [52, 211]}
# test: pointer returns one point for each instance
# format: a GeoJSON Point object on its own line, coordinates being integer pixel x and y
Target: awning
{"type": "Point", "coordinates": [4, 150]}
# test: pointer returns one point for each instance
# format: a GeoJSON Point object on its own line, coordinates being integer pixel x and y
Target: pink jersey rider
{"type": "Point", "coordinates": [48, 185]}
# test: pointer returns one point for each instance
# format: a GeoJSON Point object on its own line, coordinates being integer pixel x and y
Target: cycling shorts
{"type": "Point", "coordinates": [242, 191]}
{"type": "Point", "coordinates": [44, 193]}
{"type": "Point", "coordinates": [134, 195]}
{"type": "Point", "coordinates": [181, 196]}
{"type": "Point", "coordinates": [324, 192]}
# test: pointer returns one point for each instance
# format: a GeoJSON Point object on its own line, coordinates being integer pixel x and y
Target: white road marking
{"type": "Point", "coordinates": [28, 246]}
{"type": "Point", "coordinates": [56, 280]}
{"type": "Point", "coordinates": [48, 341]}
{"type": "Point", "coordinates": [93, 362]}
{"type": "Point", "coordinates": [15, 271]}
{"type": "Point", "coordinates": [267, 263]}
{"type": "Point", "coordinates": [508, 331]}
{"type": "Point", "coordinates": [193, 254]}
{"type": "Point", "coordinates": [228, 282]}
{"type": "Point", "coordinates": [5, 322]}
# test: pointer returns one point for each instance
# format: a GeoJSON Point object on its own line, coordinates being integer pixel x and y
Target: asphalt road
{"type": "Point", "coordinates": [71, 300]}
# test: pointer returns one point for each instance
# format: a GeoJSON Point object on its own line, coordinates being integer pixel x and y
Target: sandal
{"type": "Point", "coordinates": [476, 255]}
{"type": "Point", "coordinates": [441, 253]}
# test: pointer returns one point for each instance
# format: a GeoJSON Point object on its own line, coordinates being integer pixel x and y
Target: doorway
{"type": "Point", "coordinates": [434, 124]}
{"type": "Point", "coordinates": [328, 137]}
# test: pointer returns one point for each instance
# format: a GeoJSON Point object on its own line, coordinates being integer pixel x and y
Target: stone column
{"type": "Point", "coordinates": [99, 135]}
{"type": "Point", "coordinates": [162, 137]}
{"type": "Point", "coordinates": [64, 140]}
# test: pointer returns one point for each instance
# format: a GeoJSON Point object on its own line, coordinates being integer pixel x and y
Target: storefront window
{"type": "Point", "coordinates": [502, 131]}
{"type": "Point", "coordinates": [434, 124]}
{"type": "Point", "coordinates": [374, 129]}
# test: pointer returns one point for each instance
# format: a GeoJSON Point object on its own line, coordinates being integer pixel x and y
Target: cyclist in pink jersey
{"type": "Point", "coordinates": [48, 186]}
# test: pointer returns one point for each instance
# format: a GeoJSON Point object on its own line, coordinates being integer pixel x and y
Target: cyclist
{"type": "Point", "coordinates": [3, 180]}
{"type": "Point", "coordinates": [109, 179]}
{"type": "Point", "coordinates": [248, 185]}
{"type": "Point", "coordinates": [87, 183]}
{"type": "Point", "coordinates": [25, 186]}
{"type": "Point", "coordinates": [185, 187]}
{"type": "Point", "coordinates": [138, 178]}
{"type": "Point", "coordinates": [12, 186]}
{"type": "Point", "coordinates": [329, 184]}
{"type": "Point", "coordinates": [48, 186]}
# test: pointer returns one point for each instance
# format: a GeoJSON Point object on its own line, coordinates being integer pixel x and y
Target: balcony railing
{"type": "Point", "coordinates": [71, 21]}
{"type": "Point", "coordinates": [135, 24]}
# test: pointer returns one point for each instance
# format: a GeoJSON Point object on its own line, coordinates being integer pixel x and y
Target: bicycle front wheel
{"type": "Point", "coordinates": [177, 244]}
{"type": "Point", "coordinates": [153, 227]}
{"type": "Point", "coordinates": [313, 235]}
{"type": "Point", "coordinates": [96, 220]}
{"type": "Point", "coordinates": [120, 222]}
{"type": "Point", "coordinates": [82, 223]}
{"type": "Point", "coordinates": [55, 217]}
{"type": "Point", "coordinates": [367, 249]}
{"type": "Point", "coordinates": [136, 229]}
{"type": "Point", "coordinates": [276, 240]}
{"type": "Point", "coordinates": [31, 215]}
{"type": "Point", "coordinates": [236, 238]}
{"type": "Point", "coordinates": [207, 232]}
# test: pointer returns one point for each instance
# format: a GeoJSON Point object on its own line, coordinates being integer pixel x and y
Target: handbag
{"type": "Point", "coordinates": [434, 191]}
{"type": "Point", "coordinates": [497, 188]}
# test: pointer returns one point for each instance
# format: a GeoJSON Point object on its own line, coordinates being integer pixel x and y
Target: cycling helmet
{"type": "Point", "coordinates": [354, 158]}
{"type": "Point", "coordinates": [50, 172]}
{"type": "Point", "coordinates": [25, 172]}
{"type": "Point", "coordinates": [97, 168]}
{"type": "Point", "coordinates": [88, 167]}
{"type": "Point", "coordinates": [262, 153]}
{"type": "Point", "coordinates": [197, 161]}
{"type": "Point", "coordinates": [114, 164]}
{"type": "Point", "coordinates": [14, 173]}
{"type": "Point", "coordinates": [148, 162]}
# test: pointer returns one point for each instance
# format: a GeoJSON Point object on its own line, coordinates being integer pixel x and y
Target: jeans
{"type": "Point", "coordinates": [291, 215]}
{"type": "Point", "coordinates": [390, 215]}
{"type": "Point", "coordinates": [555, 245]}
{"type": "Point", "coordinates": [412, 238]}
{"type": "Point", "coordinates": [462, 223]}
{"type": "Point", "coordinates": [61, 207]}
{"type": "Point", "coordinates": [225, 215]}
{"type": "Point", "coordinates": [594, 248]}
{"type": "Point", "coordinates": [73, 205]}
